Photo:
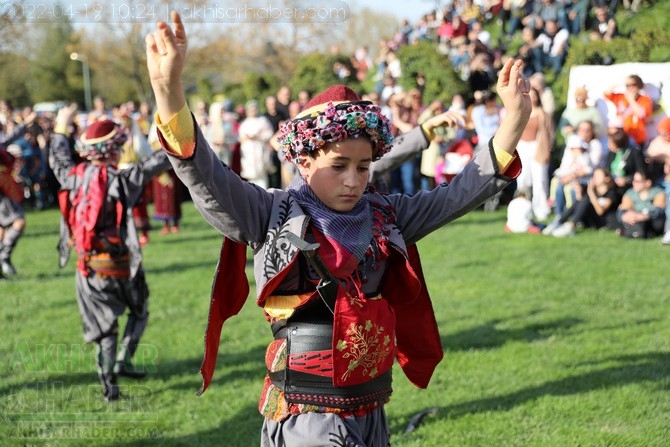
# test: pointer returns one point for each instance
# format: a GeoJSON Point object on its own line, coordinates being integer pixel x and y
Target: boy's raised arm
{"type": "Point", "coordinates": [166, 53]}
{"type": "Point", "coordinates": [512, 88]}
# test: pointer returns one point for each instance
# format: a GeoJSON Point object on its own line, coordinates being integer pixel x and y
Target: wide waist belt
{"type": "Point", "coordinates": [308, 376]}
{"type": "Point", "coordinates": [106, 265]}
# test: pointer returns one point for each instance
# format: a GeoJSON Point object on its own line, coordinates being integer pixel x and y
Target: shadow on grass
{"type": "Point", "coordinates": [487, 335]}
{"type": "Point", "coordinates": [646, 367]}
{"type": "Point", "coordinates": [240, 430]}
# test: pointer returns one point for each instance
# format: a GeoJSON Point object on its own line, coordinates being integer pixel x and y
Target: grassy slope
{"type": "Point", "coordinates": [547, 343]}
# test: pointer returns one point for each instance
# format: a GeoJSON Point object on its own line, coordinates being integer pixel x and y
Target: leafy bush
{"type": "Point", "coordinates": [442, 81]}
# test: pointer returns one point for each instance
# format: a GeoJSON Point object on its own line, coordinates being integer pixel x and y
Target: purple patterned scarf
{"type": "Point", "coordinates": [351, 229]}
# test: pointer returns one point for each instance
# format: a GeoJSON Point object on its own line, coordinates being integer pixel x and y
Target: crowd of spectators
{"type": "Point", "coordinates": [244, 135]}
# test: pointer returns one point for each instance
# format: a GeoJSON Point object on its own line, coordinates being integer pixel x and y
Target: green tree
{"type": "Point", "coordinates": [53, 75]}
{"type": "Point", "coordinates": [315, 72]}
{"type": "Point", "coordinates": [442, 81]}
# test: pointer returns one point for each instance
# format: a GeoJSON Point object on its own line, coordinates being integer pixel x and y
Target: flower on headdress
{"type": "Point", "coordinates": [371, 120]}
{"type": "Point", "coordinates": [352, 122]}
{"type": "Point", "coordinates": [330, 111]}
{"type": "Point", "coordinates": [321, 121]}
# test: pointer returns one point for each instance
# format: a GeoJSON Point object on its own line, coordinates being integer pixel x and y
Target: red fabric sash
{"type": "Point", "coordinates": [86, 206]}
{"type": "Point", "coordinates": [229, 292]}
{"type": "Point", "coordinates": [9, 187]}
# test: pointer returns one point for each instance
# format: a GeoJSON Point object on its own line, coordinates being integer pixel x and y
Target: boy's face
{"type": "Point", "coordinates": [339, 173]}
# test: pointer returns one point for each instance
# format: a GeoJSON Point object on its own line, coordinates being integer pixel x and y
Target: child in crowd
{"type": "Point", "coordinates": [520, 218]}
{"type": "Point", "coordinates": [341, 315]}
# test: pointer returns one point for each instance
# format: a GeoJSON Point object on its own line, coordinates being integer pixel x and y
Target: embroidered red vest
{"type": "Point", "coordinates": [402, 325]}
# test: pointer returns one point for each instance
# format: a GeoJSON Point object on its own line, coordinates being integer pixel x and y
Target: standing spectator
{"type": "Point", "coordinates": [393, 65]}
{"type": "Point", "coordinates": [255, 133]}
{"type": "Point", "coordinates": [482, 75]}
{"type": "Point", "coordinates": [539, 83]}
{"type": "Point", "coordinates": [100, 110]}
{"type": "Point", "coordinates": [135, 150]}
{"type": "Point", "coordinates": [361, 62]}
{"type": "Point", "coordinates": [304, 96]}
{"type": "Point", "coordinates": [273, 116]}
{"type": "Point", "coordinates": [201, 114]}
{"type": "Point", "coordinates": [633, 107]}
{"type": "Point", "coordinates": [32, 166]}
{"type": "Point", "coordinates": [283, 100]}
{"type": "Point", "coordinates": [109, 276]}
{"type": "Point", "coordinates": [535, 151]}
{"type": "Point", "coordinates": [430, 155]}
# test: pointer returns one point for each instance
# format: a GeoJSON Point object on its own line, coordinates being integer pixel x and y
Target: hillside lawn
{"type": "Point", "coordinates": [548, 342]}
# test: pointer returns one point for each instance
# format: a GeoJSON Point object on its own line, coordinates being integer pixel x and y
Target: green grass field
{"type": "Point", "coordinates": [548, 342]}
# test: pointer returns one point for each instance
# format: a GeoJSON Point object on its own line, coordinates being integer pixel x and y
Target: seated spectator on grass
{"type": "Point", "coordinates": [595, 150]}
{"type": "Point", "coordinates": [520, 218]}
{"type": "Point", "coordinates": [528, 52]}
{"type": "Point", "coordinates": [623, 158]}
{"type": "Point", "coordinates": [577, 12]}
{"type": "Point", "coordinates": [574, 173]}
{"type": "Point", "coordinates": [516, 11]}
{"type": "Point", "coordinates": [579, 112]}
{"type": "Point", "coordinates": [603, 25]}
{"type": "Point", "coordinates": [471, 12]}
{"type": "Point", "coordinates": [597, 209]}
{"type": "Point", "coordinates": [659, 155]}
{"type": "Point", "coordinates": [545, 11]}
{"type": "Point", "coordinates": [553, 49]}
{"type": "Point", "coordinates": [642, 210]}
{"type": "Point", "coordinates": [610, 5]}
{"type": "Point", "coordinates": [632, 106]}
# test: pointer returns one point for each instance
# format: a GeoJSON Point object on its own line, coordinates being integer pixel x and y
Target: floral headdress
{"type": "Point", "coordinates": [102, 139]}
{"type": "Point", "coordinates": [334, 115]}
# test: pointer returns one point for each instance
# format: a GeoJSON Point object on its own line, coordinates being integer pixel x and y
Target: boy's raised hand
{"type": "Point", "coordinates": [513, 88]}
{"type": "Point", "coordinates": [166, 53]}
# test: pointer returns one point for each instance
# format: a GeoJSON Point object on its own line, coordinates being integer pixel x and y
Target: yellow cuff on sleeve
{"type": "Point", "coordinates": [429, 133]}
{"type": "Point", "coordinates": [61, 129]}
{"type": "Point", "coordinates": [178, 132]}
{"type": "Point", "coordinates": [503, 158]}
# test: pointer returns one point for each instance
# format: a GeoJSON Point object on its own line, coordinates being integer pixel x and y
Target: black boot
{"type": "Point", "coordinates": [135, 326]}
{"type": "Point", "coordinates": [106, 347]}
{"type": "Point", "coordinates": [124, 366]}
{"type": "Point", "coordinates": [12, 236]}
{"type": "Point", "coordinates": [110, 390]}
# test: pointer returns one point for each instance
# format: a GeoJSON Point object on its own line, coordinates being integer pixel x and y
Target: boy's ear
{"type": "Point", "coordinates": [303, 164]}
